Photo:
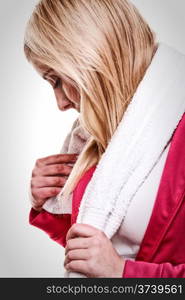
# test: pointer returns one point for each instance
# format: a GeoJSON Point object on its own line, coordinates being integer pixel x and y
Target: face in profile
{"type": "Point", "coordinates": [66, 94]}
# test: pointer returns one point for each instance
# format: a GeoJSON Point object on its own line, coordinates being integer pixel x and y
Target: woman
{"type": "Point", "coordinates": [127, 186]}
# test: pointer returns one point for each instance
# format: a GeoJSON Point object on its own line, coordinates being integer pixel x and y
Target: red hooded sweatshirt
{"type": "Point", "coordinates": [162, 250]}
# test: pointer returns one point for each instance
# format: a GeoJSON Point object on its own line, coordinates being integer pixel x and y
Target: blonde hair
{"type": "Point", "coordinates": [105, 47]}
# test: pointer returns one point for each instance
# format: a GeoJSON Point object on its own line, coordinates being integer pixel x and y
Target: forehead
{"type": "Point", "coordinates": [43, 70]}
{"type": "Point", "coordinates": [40, 68]}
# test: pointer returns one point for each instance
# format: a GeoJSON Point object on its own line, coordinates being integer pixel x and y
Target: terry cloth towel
{"type": "Point", "coordinates": [74, 143]}
{"type": "Point", "coordinates": [135, 148]}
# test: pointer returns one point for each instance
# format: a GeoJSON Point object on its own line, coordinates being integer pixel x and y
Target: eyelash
{"type": "Point", "coordinates": [57, 83]}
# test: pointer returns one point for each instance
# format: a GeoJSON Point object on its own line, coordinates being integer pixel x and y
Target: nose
{"type": "Point", "coordinates": [63, 102]}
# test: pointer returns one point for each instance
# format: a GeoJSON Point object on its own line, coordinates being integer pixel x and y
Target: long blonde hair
{"type": "Point", "coordinates": [105, 47]}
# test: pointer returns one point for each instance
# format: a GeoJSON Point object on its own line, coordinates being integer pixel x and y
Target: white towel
{"type": "Point", "coordinates": [140, 139]}
{"type": "Point", "coordinates": [74, 143]}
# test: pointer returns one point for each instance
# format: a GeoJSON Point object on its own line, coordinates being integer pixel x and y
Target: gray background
{"type": "Point", "coordinates": [32, 127]}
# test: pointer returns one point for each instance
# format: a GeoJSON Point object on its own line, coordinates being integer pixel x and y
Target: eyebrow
{"type": "Point", "coordinates": [46, 73]}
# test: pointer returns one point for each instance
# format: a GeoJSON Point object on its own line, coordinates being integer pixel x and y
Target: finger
{"type": "Point", "coordinates": [40, 182]}
{"type": "Point", "coordinates": [46, 192]}
{"type": "Point", "coordinates": [77, 243]}
{"type": "Point", "coordinates": [37, 208]}
{"type": "Point", "coordinates": [57, 159]}
{"type": "Point", "coordinates": [37, 204]}
{"type": "Point", "coordinates": [81, 230]}
{"type": "Point", "coordinates": [52, 170]}
{"type": "Point", "coordinates": [79, 266]}
{"type": "Point", "coordinates": [76, 255]}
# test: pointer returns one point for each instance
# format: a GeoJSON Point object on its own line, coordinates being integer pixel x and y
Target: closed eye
{"type": "Point", "coordinates": [58, 83]}
{"type": "Point", "coordinates": [54, 81]}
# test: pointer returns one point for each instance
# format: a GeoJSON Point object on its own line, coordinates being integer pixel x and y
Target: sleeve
{"type": "Point", "coordinates": [141, 269]}
{"type": "Point", "coordinates": [56, 226]}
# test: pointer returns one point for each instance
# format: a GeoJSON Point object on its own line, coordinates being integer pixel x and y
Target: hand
{"type": "Point", "coordinates": [90, 252]}
{"type": "Point", "coordinates": [49, 176]}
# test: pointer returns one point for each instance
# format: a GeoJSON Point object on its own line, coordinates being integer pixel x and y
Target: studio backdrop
{"type": "Point", "coordinates": [32, 127]}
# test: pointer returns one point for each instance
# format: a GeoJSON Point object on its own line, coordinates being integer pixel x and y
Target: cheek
{"type": "Point", "coordinates": [72, 93]}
